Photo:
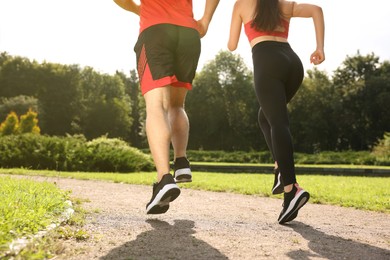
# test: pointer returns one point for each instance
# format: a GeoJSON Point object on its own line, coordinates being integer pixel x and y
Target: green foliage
{"type": "Point", "coordinates": [325, 157]}
{"type": "Point", "coordinates": [29, 123]}
{"type": "Point", "coordinates": [71, 153]}
{"type": "Point", "coordinates": [137, 133]}
{"type": "Point", "coordinates": [10, 125]}
{"type": "Point", "coordinates": [18, 76]}
{"type": "Point", "coordinates": [58, 96]}
{"type": "Point", "coordinates": [222, 107]}
{"type": "Point", "coordinates": [69, 99]}
{"type": "Point", "coordinates": [348, 111]}
{"type": "Point", "coordinates": [363, 106]}
{"type": "Point", "coordinates": [337, 190]}
{"type": "Point", "coordinates": [27, 207]}
{"type": "Point", "coordinates": [233, 157]}
{"type": "Point", "coordinates": [105, 106]}
{"type": "Point", "coordinates": [329, 157]}
{"type": "Point", "coordinates": [19, 104]}
{"type": "Point", "coordinates": [314, 99]}
{"type": "Point", "coordinates": [381, 151]}
{"type": "Point", "coordinates": [52, 243]}
{"type": "Point", "coordinates": [115, 155]}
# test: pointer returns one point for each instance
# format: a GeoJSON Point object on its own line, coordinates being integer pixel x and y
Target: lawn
{"type": "Point", "coordinates": [365, 193]}
{"type": "Point", "coordinates": [26, 207]}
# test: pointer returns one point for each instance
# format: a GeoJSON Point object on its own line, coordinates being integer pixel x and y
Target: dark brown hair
{"type": "Point", "coordinates": [267, 16]}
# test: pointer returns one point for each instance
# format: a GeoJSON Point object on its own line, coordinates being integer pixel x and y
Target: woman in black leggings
{"type": "Point", "coordinates": [278, 74]}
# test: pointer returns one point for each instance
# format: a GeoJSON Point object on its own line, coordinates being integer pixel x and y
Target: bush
{"type": "Point", "coordinates": [327, 157]}
{"type": "Point", "coordinates": [28, 123]}
{"type": "Point", "coordinates": [346, 157]}
{"type": "Point", "coordinates": [10, 124]}
{"type": "Point", "coordinates": [233, 157]}
{"type": "Point", "coordinates": [71, 153]}
{"type": "Point", "coordinates": [116, 155]}
{"type": "Point", "coordinates": [381, 151]}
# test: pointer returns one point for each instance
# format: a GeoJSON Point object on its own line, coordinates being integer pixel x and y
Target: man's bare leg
{"type": "Point", "coordinates": [158, 129]}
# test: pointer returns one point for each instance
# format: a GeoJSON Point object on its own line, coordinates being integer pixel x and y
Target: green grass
{"type": "Point", "coordinates": [366, 193]}
{"type": "Point", "coordinates": [26, 207]}
{"type": "Point", "coordinates": [347, 166]}
{"type": "Point", "coordinates": [52, 244]}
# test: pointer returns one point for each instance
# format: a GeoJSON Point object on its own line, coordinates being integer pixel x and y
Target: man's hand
{"type": "Point", "coordinates": [128, 5]}
{"type": "Point", "coordinates": [202, 27]}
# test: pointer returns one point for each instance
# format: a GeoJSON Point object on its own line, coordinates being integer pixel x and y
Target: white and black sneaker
{"type": "Point", "coordinates": [278, 183]}
{"type": "Point", "coordinates": [182, 170]}
{"type": "Point", "coordinates": [164, 192]}
{"type": "Point", "coordinates": [293, 201]}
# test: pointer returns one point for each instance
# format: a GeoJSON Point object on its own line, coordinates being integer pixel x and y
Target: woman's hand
{"type": "Point", "coordinates": [317, 57]}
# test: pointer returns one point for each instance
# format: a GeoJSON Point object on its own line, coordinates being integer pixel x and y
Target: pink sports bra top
{"type": "Point", "coordinates": [252, 33]}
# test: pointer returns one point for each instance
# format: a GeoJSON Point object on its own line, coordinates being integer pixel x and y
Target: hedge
{"type": "Point", "coordinates": [71, 153]}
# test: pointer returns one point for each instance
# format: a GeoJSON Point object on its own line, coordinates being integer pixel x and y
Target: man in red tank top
{"type": "Point", "coordinates": [167, 53]}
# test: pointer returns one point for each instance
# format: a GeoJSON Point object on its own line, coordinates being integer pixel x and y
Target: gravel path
{"type": "Point", "coordinates": [210, 225]}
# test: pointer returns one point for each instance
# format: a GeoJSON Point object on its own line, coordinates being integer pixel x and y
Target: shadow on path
{"type": "Point", "coordinates": [333, 247]}
{"type": "Point", "coordinates": [166, 241]}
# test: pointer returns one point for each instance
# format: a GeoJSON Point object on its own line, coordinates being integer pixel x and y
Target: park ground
{"type": "Point", "coordinates": [217, 225]}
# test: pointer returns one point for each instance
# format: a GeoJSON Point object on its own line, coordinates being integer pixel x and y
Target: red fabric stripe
{"type": "Point", "coordinates": [148, 83]}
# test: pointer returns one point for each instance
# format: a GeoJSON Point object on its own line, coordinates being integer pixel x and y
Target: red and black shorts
{"type": "Point", "coordinates": [167, 54]}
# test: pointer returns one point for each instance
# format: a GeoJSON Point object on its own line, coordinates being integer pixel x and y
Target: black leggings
{"type": "Point", "coordinates": [278, 73]}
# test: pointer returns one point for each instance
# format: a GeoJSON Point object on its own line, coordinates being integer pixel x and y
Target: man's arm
{"type": "Point", "coordinates": [209, 10]}
{"type": "Point", "coordinates": [128, 5]}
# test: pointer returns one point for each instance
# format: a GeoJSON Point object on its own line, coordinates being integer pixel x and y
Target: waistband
{"type": "Point", "coordinates": [272, 44]}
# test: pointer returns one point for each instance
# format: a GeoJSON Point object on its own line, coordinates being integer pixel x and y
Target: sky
{"type": "Point", "coordinates": [99, 34]}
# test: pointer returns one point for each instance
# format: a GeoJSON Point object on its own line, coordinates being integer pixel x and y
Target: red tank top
{"type": "Point", "coordinates": [177, 12]}
{"type": "Point", "coordinates": [252, 33]}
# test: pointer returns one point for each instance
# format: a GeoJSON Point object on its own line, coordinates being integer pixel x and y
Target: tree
{"type": "Point", "coordinates": [58, 97]}
{"type": "Point", "coordinates": [360, 83]}
{"type": "Point", "coordinates": [137, 135]}
{"type": "Point", "coordinates": [19, 104]}
{"type": "Point", "coordinates": [240, 101]}
{"type": "Point", "coordinates": [104, 106]}
{"type": "Point", "coordinates": [222, 107]}
{"type": "Point", "coordinates": [312, 114]}
{"type": "Point", "coordinates": [206, 111]}
{"type": "Point", "coordinates": [18, 76]}
{"type": "Point", "coordinates": [29, 123]}
{"type": "Point", "coordinates": [10, 125]}
{"type": "Point", "coordinates": [381, 149]}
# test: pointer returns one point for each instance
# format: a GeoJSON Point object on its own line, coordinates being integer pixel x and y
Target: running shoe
{"type": "Point", "coordinates": [293, 201]}
{"type": "Point", "coordinates": [164, 192]}
{"type": "Point", "coordinates": [278, 183]}
{"type": "Point", "coordinates": [182, 170]}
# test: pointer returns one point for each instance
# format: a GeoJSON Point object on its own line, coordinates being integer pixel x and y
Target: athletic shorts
{"type": "Point", "coordinates": [167, 54]}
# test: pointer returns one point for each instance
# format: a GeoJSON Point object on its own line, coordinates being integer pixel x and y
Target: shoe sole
{"type": "Point", "coordinates": [187, 178]}
{"type": "Point", "coordinates": [278, 187]}
{"type": "Point", "coordinates": [183, 175]}
{"type": "Point", "coordinates": [292, 211]}
{"type": "Point", "coordinates": [160, 204]}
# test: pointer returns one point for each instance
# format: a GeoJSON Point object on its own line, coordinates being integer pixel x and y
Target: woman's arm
{"type": "Point", "coordinates": [314, 11]}
{"type": "Point", "coordinates": [235, 28]}
{"type": "Point", "coordinates": [128, 5]}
